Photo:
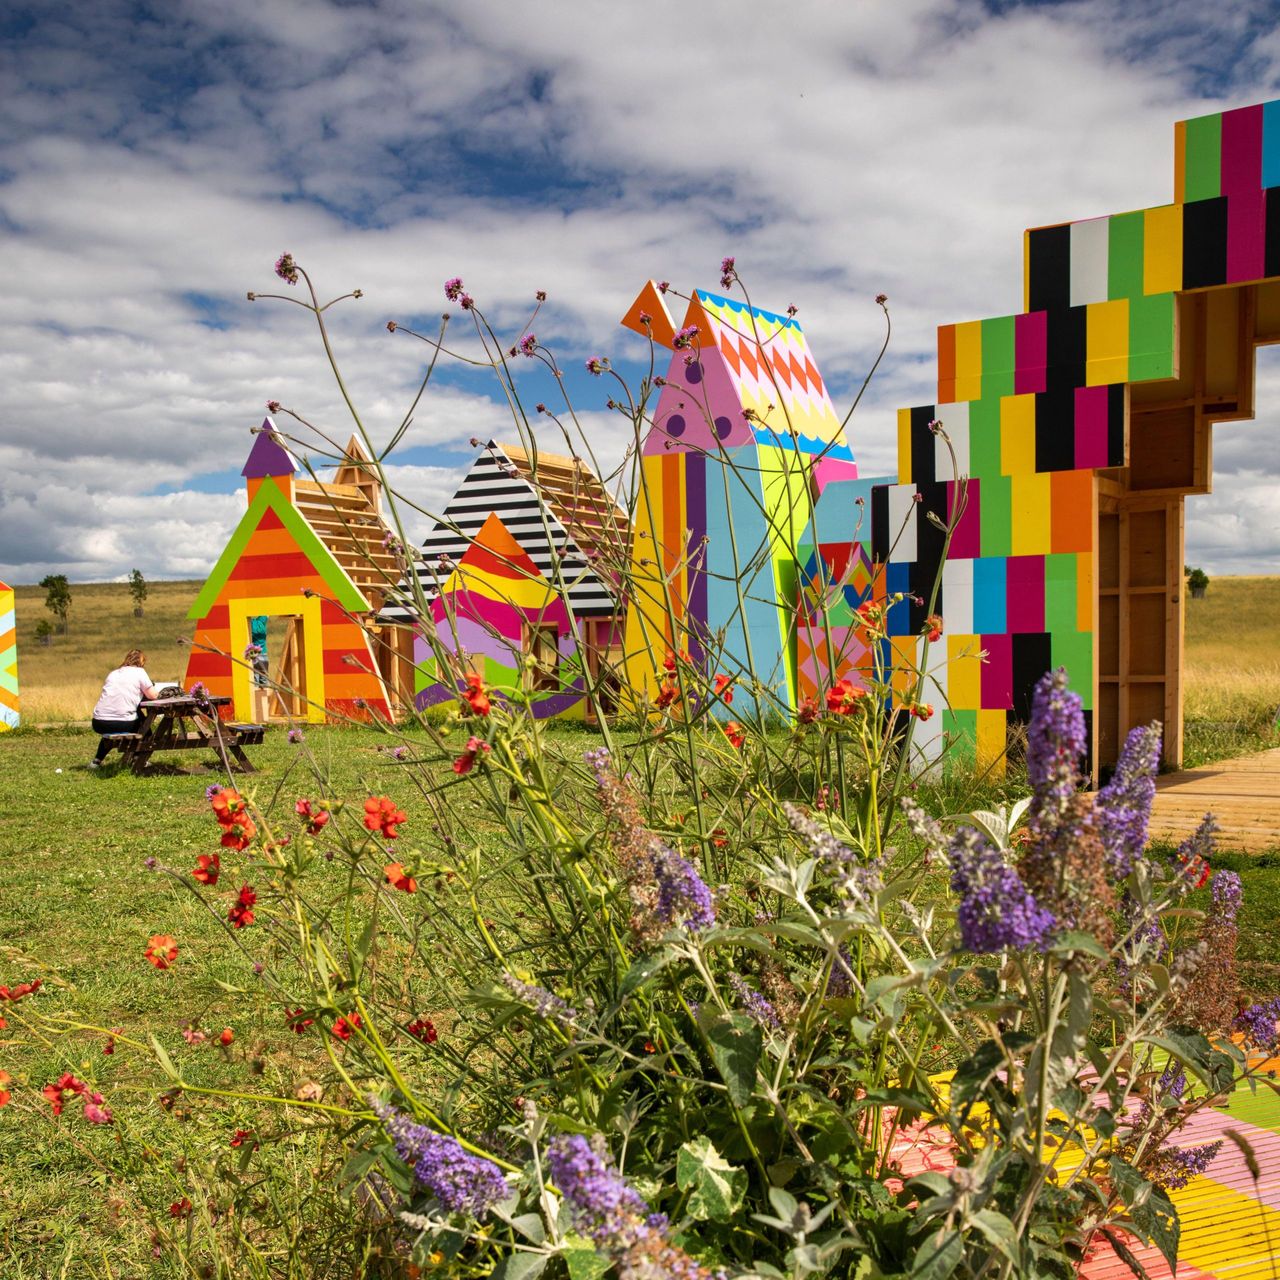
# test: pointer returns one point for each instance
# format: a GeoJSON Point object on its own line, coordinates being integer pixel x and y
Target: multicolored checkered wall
{"type": "Point", "coordinates": [1036, 404]}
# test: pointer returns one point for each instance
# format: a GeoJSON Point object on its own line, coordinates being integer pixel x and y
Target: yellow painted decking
{"type": "Point", "coordinates": [1244, 795]}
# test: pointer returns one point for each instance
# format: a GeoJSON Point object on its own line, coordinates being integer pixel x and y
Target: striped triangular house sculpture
{"type": "Point", "coordinates": [279, 564]}
{"type": "Point", "coordinates": [8, 660]}
{"type": "Point", "coordinates": [514, 575]}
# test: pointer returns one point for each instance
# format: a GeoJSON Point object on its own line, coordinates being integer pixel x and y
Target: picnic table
{"type": "Point", "coordinates": [187, 724]}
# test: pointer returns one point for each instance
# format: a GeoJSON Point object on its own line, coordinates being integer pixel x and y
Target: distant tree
{"type": "Point", "coordinates": [138, 590]}
{"type": "Point", "coordinates": [1198, 581]}
{"type": "Point", "coordinates": [44, 630]}
{"type": "Point", "coordinates": [58, 597]}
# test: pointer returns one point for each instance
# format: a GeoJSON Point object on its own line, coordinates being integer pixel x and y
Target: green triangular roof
{"type": "Point", "coordinates": [269, 495]}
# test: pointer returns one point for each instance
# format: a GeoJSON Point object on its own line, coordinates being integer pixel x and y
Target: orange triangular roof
{"type": "Point", "coordinates": [495, 550]}
{"type": "Point", "coordinates": [660, 327]}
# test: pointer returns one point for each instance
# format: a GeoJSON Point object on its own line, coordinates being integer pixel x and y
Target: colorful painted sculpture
{"type": "Point", "coordinates": [744, 438]}
{"type": "Point", "coordinates": [8, 660]}
{"type": "Point", "coordinates": [315, 555]}
{"type": "Point", "coordinates": [516, 576]}
{"type": "Point", "coordinates": [1084, 422]}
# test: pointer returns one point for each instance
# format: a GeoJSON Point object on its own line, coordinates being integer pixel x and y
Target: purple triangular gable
{"type": "Point", "coordinates": [268, 457]}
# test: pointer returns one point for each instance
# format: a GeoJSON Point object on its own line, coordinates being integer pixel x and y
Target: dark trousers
{"type": "Point", "coordinates": [113, 726]}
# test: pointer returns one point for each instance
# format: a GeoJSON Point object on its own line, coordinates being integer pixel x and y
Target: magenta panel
{"type": "Point", "coordinates": [1091, 427]}
{"type": "Point", "coordinates": [1030, 352]}
{"type": "Point", "coordinates": [1024, 579]}
{"type": "Point", "coordinates": [966, 542]}
{"type": "Point", "coordinates": [997, 673]}
{"type": "Point", "coordinates": [1246, 235]}
{"type": "Point", "coordinates": [1242, 151]}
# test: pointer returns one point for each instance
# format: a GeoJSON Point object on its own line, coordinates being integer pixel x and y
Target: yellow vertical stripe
{"type": "Point", "coordinates": [1108, 342]}
{"type": "Point", "coordinates": [904, 446]}
{"type": "Point", "coordinates": [1162, 249]}
{"type": "Point", "coordinates": [991, 737]}
{"type": "Point", "coordinates": [969, 360]}
{"type": "Point", "coordinates": [1032, 522]}
{"type": "Point", "coordinates": [964, 673]}
{"type": "Point", "coordinates": [1017, 435]}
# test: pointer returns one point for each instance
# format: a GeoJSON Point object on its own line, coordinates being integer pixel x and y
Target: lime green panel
{"type": "Point", "coordinates": [1152, 334]}
{"type": "Point", "coordinates": [984, 437]}
{"type": "Point", "coordinates": [998, 358]}
{"type": "Point", "coordinates": [1074, 650]}
{"type": "Point", "coordinates": [961, 730]}
{"type": "Point", "coordinates": [1203, 173]}
{"type": "Point", "coordinates": [996, 496]}
{"type": "Point", "coordinates": [1060, 593]}
{"type": "Point", "coordinates": [1125, 255]}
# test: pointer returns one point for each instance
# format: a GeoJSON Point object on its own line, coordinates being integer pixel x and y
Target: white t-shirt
{"type": "Point", "coordinates": [122, 691]}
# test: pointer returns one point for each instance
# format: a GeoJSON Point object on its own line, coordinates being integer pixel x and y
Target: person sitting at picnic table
{"type": "Point", "coordinates": [117, 710]}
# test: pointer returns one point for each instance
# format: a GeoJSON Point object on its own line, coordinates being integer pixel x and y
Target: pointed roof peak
{"type": "Point", "coordinates": [268, 457]}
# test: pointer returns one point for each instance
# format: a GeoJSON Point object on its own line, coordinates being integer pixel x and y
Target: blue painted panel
{"type": "Point", "coordinates": [836, 514]}
{"type": "Point", "coordinates": [989, 596]}
{"type": "Point", "coordinates": [897, 577]}
{"type": "Point", "coordinates": [1271, 144]}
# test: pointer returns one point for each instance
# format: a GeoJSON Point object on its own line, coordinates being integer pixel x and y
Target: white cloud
{"type": "Point", "coordinates": [154, 167]}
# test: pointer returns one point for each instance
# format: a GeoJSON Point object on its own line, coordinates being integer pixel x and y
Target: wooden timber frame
{"type": "Point", "coordinates": [1140, 509]}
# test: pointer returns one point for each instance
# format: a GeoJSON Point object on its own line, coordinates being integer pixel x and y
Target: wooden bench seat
{"type": "Point", "coordinates": [248, 735]}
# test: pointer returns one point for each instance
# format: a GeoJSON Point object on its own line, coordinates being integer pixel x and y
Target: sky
{"type": "Point", "coordinates": [156, 159]}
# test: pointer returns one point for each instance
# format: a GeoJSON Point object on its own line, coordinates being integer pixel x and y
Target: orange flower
{"type": "Point", "coordinates": [344, 1026]}
{"type": "Point", "coordinates": [228, 806]}
{"type": "Point", "coordinates": [161, 950]}
{"type": "Point", "coordinates": [242, 913]}
{"type": "Point", "coordinates": [238, 834]}
{"type": "Point", "coordinates": [5, 1080]}
{"type": "Point", "coordinates": [208, 867]}
{"type": "Point", "coordinates": [871, 618]}
{"type": "Point", "coordinates": [466, 761]}
{"type": "Point", "coordinates": [933, 628]}
{"type": "Point", "coordinates": [808, 712]}
{"type": "Point", "coordinates": [180, 1208]}
{"type": "Point", "coordinates": [241, 1137]}
{"type": "Point", "coordinates": [226, 1037]}
{"type": "Point", "coordinates": [733, 731]}
{"type": "Point", "coordinates": [380, 814]}
{"type": "Point", "coordinates": [398, 878]}
{"type": "Point", "coordinates": [922, 710]}
{"type": "Point", "coordinates": [724, 689]}
{"type": "Point", "coordinates": [843, 696]}
{"type": "Point", "coordinates": [476, 696]}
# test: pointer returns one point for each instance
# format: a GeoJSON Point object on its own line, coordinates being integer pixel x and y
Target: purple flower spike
{"type": "Point", "coordinates": [1227, 893]}
{"type": "Point", "coordinates": [462, 1182]}
{"type": "Point", "coordinates": [1123, 806]}
{"type": "Point", "coordinates": [683, 898]}
{"type": "Point", "coordinates": [754, 1004]}
{"type": "Point", "coordinates": [996, 909]}
{"type": "Point", "coordinates": [1055, 743]}
{"type": "Point", "coordinates": [1261, 1023]}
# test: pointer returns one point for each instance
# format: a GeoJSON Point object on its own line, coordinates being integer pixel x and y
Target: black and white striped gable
{"type": "Point", "coordinates": [494, 485]}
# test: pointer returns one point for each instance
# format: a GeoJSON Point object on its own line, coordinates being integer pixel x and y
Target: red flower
{"type": "Point", "coordinates": [242, 913]}
{"type": "Point", "coordinates": [66, 1083]}
{"type": "Point", "coordinates": [668, 692]}
{"type": "Point", "coordinates": [241, 1136]}
{"type": "Point", "coordinates": [1197, 871]}
{"type": "Point", "coordinates": [922, 710]}
{"type": "Point", "coordinates": [933, 628]}
{"type": "Point", "coordinates": [180, 1208]}
{"type": "Point", "coordinates": [232, 812]}
{"type": "Point", "coordinates": [380, 814]}
{"type": "Point", "coordinates": [344, 1026]}
{"type": "Point", "coordinates": [296, 1021]}
{"type": "Point", "coordinates": [110, 1046]}
{"type": "Point", "coordinates": [5, 1095]}
{"type": "Point", "coordinates": [95, 1112]}
{"type": "Point", "coordinates": [161, 950]}
{"type": "Point", "coordinates": [315, 819]}
{"type": "Point", "coordinates": [808, 712]}
{"type": "Point", "coordinates": [23, 989]}
{"type": "Point", "coordinates": [465, 762]}
{"type": "Point", "coordinates": [423, 1029]}
{"type": "Point", "coordinates": [871, 615]}
{"type": "Point", "coordinates": [724, 688]}
{"type": "Point", "coordinates": [208, 866]}
{"type": "Point", "coordinates": [843, 696]}
{"type": "Point", "coordinates": [733, 731]}
{"type": "Point", "coordinates": [238, 834]}
{"type": "Point", "coordinates": [476, 696]}
{"type": "Point", "coordinates": [718, 838]}
{"type": "Point", "coordinates": [399, 878]}
{"type": "Point", "coordinates": [226, 1037]}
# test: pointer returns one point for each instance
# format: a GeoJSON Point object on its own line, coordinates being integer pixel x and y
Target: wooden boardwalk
{"type": "Point", "coordinates": [1244, 796]}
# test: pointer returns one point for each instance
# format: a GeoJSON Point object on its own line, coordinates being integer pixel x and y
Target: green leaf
{"type": "Point", "coordinates": [583, 1261]}
{"type": "Point", "coordinates": [999, 1231]}
{"type": "Point", "coordinates": [938, 1257]}
{"type": "Point", "coordinates": [520, 1266]}
{"type": "Point", "coordinates": [643, 970]}
{"type": "Point", "coordinates": [717, 1187]}
{"type": "Point", "coordinates": [1067, 942]}
{"type": "Point", "coordinates": [1151, 1211]}
{"type": "Point", "coordinates": [735, 1042]}
{"type": "Point", "coordinates": [166, 1062]}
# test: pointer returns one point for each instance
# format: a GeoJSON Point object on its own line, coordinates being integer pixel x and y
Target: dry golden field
{"type": "Point", "coordinates": [1232, 655]}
